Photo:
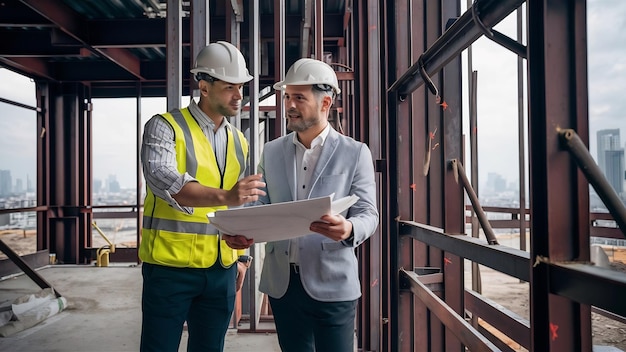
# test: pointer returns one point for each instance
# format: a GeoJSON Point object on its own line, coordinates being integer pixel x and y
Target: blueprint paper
{"type": "Point", "coordinates": [278, 221]}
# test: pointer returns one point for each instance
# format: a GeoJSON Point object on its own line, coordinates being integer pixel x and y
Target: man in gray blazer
{"type": "Point", "coordinates": [312, 281]}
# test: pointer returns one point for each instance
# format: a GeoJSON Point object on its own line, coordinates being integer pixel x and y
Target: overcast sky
{"type": "Point", "coordinates": [114, 119]}
{"type": "Point", "coordinates": [497, 87]}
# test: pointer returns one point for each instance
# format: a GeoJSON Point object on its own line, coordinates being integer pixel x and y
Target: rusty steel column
{"type": "Point", "coordinates": [68, 218]}
{"type": "Point", "coordinates": [139, 170]}
{"type": "Point", "coordinates": [366, 125]}
{"type": "Point", "coordinates": [449, 110]}
{"type": "Point", "coordinates": [401, 143]}
{"type": "Point", "coordinates": [254, 63]}
{"type": "Point", "coordinates": [200, 38]}
{"type": "Point", "coordinates": [280, 127]}
{"type": "Point", "coordinates": [559, 194]}
{"type": "Point", "coordinates": [43, 164]}
{"type": "Point", "coordinates": [174, 58]}
{"type": "Point", "coordinates": [318, 29]}
{"type": "Point", "coordinates": [434, 208]}
{"type": "Point", "coordinates": [417, 182]}
{"type": "Point", "coordinates": [85, 169]}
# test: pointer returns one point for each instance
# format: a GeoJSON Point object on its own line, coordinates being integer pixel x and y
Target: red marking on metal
{"type": "Point", "coordinates": [553, 330]}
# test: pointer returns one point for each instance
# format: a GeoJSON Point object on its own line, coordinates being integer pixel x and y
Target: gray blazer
{"type": "Point", "coordinates": [328, 269]}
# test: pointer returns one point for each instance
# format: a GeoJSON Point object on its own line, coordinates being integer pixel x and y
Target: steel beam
{"type": "Point", "coordinates": [457, 38]}
{"type": "Point", "coordinates": [454, 322]}
{"type": "Point", "coordinates": [574, 280]}
{"type": "Point", "coordinates": [506, 321]}
{"type": "Point", "coordinates": [504, 259]}
{"type": "Point", "coordinates": [76, 27]}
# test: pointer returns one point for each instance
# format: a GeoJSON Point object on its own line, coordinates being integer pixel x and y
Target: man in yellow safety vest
{"type": "Point", "coordinates": [194, 163]}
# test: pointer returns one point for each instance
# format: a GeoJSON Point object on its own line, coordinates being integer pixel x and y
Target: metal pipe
{"type": "Point", "coordinates": [521, 140]}
{"type": "Point", "coordinates": [15, 103]}
{"type": "Point", "coordinates": [473, 126]}
{"type": "Point", "coordinates": [594, 175]}
{"type": "Point", "coordinates": [138, 170]}
{"type": "Point", "coordinates": [20, 263]}
{"type": "Point", "coordinates": [480, 213]}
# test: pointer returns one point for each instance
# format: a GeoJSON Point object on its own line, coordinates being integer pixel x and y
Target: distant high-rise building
{"type": "Point", "coordinates": [607, 140]}
{"type": "Point", "coordinates": [112, 185]}
{"type": "Point", "coordinates": [495, 182]}
{"type": "Point", "coordinates": [614, 169]}
{"type": "Point", "coordinates": [611, 158]}
{"type": "Point", "coordinates": [29, 184]}
{"type": "Point", "coordinates": [19, 186]}
{"type": "Point", "coordinates": [97, 185]}
{"type": "Point", "coordinates": [6, 184]}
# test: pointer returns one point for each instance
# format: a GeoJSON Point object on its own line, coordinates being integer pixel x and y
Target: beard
{"type": "Point", "coordinates": [227, 110]}
{"type": "Point", "coordinates": [301, 123]}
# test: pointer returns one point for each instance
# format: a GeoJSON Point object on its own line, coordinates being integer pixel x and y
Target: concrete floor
{"type": "Point", "coordinates": [103, 313]}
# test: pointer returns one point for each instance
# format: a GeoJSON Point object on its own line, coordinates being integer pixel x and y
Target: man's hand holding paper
{"type": "Point", "coordinates": [279, 221]}
{"type": "Point", "coordinates": [335, 227]}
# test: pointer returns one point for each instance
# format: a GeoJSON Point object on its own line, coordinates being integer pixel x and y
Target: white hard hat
{"type": "Point", "coordinates": [223, 61]}
{"type": "Point", "coordinates": [310, 72]}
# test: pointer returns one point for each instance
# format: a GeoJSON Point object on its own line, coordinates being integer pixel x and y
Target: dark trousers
{"type": "Point", "coordinates": [306, 325]}
{"type": "Point", "coordinates": [204, 298]}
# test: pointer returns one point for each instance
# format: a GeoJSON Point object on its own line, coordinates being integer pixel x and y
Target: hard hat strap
{"type": "Point", "coordinates": [326, 88]}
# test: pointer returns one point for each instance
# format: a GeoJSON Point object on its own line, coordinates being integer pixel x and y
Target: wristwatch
{"type": "Point", "coordinates": [245, 259]}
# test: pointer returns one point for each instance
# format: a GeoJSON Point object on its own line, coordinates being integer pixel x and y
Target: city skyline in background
{"type": "Point", "coordinates": [114, 123]}
{"type": "Point", "coordinates": [611, 159]}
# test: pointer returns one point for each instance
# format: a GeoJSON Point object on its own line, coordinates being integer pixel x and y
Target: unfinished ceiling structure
{"type": "Point", "coordinates": [400, 68]}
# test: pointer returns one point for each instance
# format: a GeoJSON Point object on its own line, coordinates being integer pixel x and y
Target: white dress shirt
{"type": "Point", "coordinates": [305, 162]}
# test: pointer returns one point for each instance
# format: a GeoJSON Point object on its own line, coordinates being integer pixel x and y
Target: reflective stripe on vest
{"type": "Point", "coordinates": [192, 163]}
{"type": "Point", "coordinates": [238, 151]}
{"type": "Point", "coordinates": [178, 226]}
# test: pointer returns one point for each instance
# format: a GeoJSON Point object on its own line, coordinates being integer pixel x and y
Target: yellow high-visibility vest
{"type": "Point", "coordinates": [174, 238]}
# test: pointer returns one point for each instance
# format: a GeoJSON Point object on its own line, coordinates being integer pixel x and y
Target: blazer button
{"type": "Point", "coordinates": [286, 253]}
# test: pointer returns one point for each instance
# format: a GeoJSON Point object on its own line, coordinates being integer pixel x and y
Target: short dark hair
{"type": "Point", "coordinates": [201, 76]}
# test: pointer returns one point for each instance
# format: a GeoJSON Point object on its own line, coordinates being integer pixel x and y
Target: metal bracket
{"type": "Point", "coordinates": [496, 36]}
{"type": "Point", "coordinates": [429, 82]}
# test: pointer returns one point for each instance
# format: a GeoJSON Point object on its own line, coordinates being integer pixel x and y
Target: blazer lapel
{"type": "Point", "coordinates": [289, 162]}
{"type": "Point", "coordinates": [328, 149]}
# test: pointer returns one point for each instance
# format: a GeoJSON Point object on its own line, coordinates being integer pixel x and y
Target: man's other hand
{"type": "Point", "coordinates": [247, 190]}
{"type": "Point", "coordinates": [237, 241]}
